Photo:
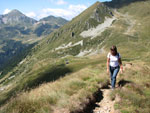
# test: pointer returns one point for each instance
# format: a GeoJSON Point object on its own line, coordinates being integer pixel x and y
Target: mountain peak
{"type": "Point", "coordinates": [17, 17]}
{"type": "Point", "coordinates": [15, 12]}
{"type": "Point", "coordinates": [97, 2]}
{"type": "Point", "coordinates": [54, 20]}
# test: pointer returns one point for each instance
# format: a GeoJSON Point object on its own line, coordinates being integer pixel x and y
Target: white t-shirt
{"type": "Point", "coordinates": [113, 59]}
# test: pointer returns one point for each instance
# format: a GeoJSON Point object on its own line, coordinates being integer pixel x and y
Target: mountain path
{"type": "Point", "coordinates": [129, 20]}
{"type": "Point", "coordinates": [106, 105]}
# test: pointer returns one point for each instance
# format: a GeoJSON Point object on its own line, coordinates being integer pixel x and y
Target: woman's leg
{"type": "Point", "coordinates": [114, 76]}
{"type": "Point", "coordinates": [111, 70]}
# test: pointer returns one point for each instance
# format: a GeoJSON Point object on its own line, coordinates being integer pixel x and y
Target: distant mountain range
{"type": "Point", "coordinates": [16, 24]}
{"type": "Point", "coordinates": [17, 32]}
{"type": "Point", "coordinates": [16, 17]}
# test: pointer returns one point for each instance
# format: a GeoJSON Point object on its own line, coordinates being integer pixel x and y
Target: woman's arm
{"type": "Point", "coordinates": [108, 60]}
{"type": "Point", "coordinates": [120, 63]}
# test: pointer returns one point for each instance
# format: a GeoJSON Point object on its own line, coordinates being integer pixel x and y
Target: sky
{"type": "Point", "coordinates": [38, 9]}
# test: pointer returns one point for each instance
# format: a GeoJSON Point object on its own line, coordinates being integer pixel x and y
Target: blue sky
{"type": "Point", "coordinates": [41, 8]}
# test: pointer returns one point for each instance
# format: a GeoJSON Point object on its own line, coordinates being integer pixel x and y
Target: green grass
{"type": "Point", "coordinates": [64, 85]}
{"type": "Point", "coordinates": [83, 80]}
{"type": "Point", "coordinates": [134, 96]}
{"type": "Point", "coordinates": [43, 72]}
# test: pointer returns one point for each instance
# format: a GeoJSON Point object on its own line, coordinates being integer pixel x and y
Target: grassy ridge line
{"type": "Point", "coordinates": [76, 26]}
{"type": "Point", "coordinates": [69, 93]}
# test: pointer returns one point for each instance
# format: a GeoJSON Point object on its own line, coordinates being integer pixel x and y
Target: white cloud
{"type": "Point", "coordinates": [31, 14]}
{"type": "Point", "coordinates": [57, 12]}
{"type": "Point", "coordinates": [77, 7]}
{"type": "Point", "coordinates": [69, 13]}
{"type": "Point", "coordinates": [61, 2]}
{"type": "Point", "coordinates": [6, 11]}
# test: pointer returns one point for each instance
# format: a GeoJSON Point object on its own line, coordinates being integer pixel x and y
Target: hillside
{"type": "Point", "coordinates": [67, 70]}
{"type": "Point", "coordinates": [16, 17]}
{"type": "Point", "coordinates": [48, 24]}
{"type": "Point", "coordinates": [17, 26]}
{"type": "Point", "coordinates": [20, 33]}
{"type": "Point", "coordinates": [23, 25]}
{"type": "Point", "coordinates": [54, 20]}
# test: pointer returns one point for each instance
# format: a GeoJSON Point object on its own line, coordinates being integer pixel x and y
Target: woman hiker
{"type": "Point", "coordinates": [114, 64]}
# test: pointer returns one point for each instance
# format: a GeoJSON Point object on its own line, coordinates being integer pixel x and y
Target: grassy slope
{"type": "Point", "coordinates": [42, 59]}
{"type": "Point", "coordinates": [15, 37]}
{"type": "Point", "coordinates": [65, 93]}
{"type": "Point", "coordinates": [135, 95]}
{"type": "Point", "coordinates": [138, 40]}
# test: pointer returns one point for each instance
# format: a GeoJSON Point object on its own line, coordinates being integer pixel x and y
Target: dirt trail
{"type": "Point", "coordinates": [106, 105]}
{"type": "Point", "coordinates": [129, 20]}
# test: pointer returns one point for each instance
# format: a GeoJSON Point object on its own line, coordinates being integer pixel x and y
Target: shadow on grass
{"type": "Point", "coordinates": [5, 97]}
{"type": "Point", "coordinates": [121, 3]}
{"type": "Point", "coordinates": [123, 82]}
{"type": "Point", "coordinates": [49, 75]}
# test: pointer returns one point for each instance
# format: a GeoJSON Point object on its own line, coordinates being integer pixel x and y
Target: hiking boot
{"type": "Point", "coordinates": [112, 88]}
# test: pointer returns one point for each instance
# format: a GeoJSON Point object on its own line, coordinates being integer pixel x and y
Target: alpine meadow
{"type": "Point", "coordinates": [64, 69]}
